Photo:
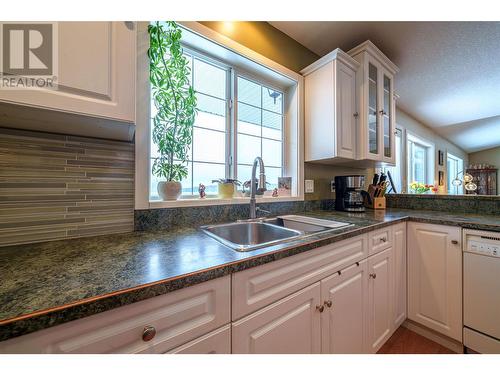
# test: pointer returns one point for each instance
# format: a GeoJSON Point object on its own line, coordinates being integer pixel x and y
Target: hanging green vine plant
{"type": "Point", "coordinates": [174, 99]}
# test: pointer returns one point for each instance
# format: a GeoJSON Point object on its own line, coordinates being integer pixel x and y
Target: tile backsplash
{"type": "Point", "coordinates": [55, 186]}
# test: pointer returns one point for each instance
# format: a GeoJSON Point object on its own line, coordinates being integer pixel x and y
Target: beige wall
{"type": "Point", "coordinates": [324, 174]}
{"type": "Point", "coordinates": [490, 156]}
{"type": "Point", "coordinates": [266, 40]}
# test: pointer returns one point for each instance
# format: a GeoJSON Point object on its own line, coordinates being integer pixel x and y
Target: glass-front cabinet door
{"type": "Point", "coordinates": [380, 124]}
{"type": "Point", "coordinates": [376, 104]}
{"type": "Point", "coordinates": [373, 117]}
{"type": "Point", "coordinates": [386, 116]}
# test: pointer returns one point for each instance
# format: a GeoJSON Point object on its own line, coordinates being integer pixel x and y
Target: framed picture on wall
{"type": "Point", "coordinates": [441, 178]}
{"type": "Point", "coordinates": [440, 157]}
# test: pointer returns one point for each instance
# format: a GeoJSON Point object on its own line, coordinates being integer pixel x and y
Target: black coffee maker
{"type": "Point", "coordinates": [349, 193]}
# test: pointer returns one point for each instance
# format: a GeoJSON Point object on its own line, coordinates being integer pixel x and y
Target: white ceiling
{"type": "Point", "coordinates": [449, 75]}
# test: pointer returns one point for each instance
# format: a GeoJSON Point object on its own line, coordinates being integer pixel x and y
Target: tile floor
{"type": "Point", "coordinates": [404, 341]}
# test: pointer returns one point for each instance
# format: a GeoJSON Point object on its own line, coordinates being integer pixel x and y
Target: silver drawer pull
{"type": "Point", "coordinates": [149, 333]}
{"type": "Point", "coordinates": [383, 239]}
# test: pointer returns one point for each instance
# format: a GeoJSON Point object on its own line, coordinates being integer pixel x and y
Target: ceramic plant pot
{"type": "Point", "coordinates": [225, 191]}
{"type": "Point", "coordinates": [169, 190]}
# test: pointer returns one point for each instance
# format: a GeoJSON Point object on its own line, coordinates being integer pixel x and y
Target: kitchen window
{"type": "Point", "coordinates": [258, 129]}
{"type": "Point", "coordinates": [420, 163]}
{"type": "Point", "coordinates": [454, 165]}
{"type": "Point", "coordinates": [208, 153]}
{"type": "Point", "coordinates": [247, 107]}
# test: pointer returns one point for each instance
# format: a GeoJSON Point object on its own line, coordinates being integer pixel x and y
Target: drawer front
{"type": "Point", "coordinates": [289, 326]}
{"type": "Point", "coordinates": [216, 342]}
{"type": "Point", "coordinates": [260, 286]}
{"type": "Point", "coordinates": [379, 240]}
{"type": "Point", "coordinates": [177, 317]}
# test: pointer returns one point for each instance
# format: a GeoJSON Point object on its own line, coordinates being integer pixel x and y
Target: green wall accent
{"type": "Point", "coordinates": [266, 40]}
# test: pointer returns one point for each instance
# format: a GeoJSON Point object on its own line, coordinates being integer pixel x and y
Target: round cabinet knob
{"type": "Point", "coordinates": [373, 275]}
{"type": "Point", "coordinates": [320, 308]}
{"type": "Point", "coordinates": [148, 333]}
{"type": "Point", "coordinates": [328, 304]}
{"type": "Point", "coordinates": [383, 239]}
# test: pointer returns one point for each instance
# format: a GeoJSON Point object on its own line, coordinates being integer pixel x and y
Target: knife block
{"type": "Point", "coordinates": [377, 203]}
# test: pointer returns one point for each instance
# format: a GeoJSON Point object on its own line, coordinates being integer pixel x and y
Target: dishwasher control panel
{"type": "Point", "coordinates": [482, 242]}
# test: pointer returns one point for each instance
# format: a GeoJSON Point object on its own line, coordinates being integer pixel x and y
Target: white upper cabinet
{"type": "Point", "coordinates": [375, 103]}
{"type": "Point", "coordinates": [96, 73]}
{"type": "Point", "coordinates": [330, 108]}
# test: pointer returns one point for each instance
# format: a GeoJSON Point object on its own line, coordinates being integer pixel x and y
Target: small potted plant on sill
{"type": "Point", "coordinates": [175, 102]}
{"type": "Point", "coordinates": [225, 187]}
{"type": "Point", "coordinates": [419, 188]}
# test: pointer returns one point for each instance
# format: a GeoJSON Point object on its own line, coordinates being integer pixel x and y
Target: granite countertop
{"type": "Point", "coordinates": [49, 283]}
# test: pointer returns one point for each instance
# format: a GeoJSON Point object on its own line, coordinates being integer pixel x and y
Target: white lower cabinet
{"type": "Point", "coordinates": [344, 320]}
{"type": "Point", "coordinates": [379, 299]}
{"type": "Point", "coordinates": [216, 342]}
{"type": "Point", "coordinates": [353, 310]}
{"type": "Point", "coordinates": [155, 325]}
{"type": "Point", "coordinates": [435, 278]}
{"type": "Point", "coordinates": [289, 326]}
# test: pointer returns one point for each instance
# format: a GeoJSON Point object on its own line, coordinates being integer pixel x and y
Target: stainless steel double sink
{"type": "Point", "coordinates": [253, 234]}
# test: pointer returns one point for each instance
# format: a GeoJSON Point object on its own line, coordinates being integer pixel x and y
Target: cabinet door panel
{"type": "Point", "coordinates": [289, 326]}
{"type": "Point", "coordinates": [96, 72]}
{"type": "Point", "coordinates": [435, 278]}
{"type": "Point", "coordinates": [343, 324]}
{"type": "Point", "coordinates": [379, 299]}
{"type": "Point", "coordinates": [399, 268]}
{"type": "Point", "coordinates": [346, 107]}
{"type": "Point", "coordinates": [373, 105]}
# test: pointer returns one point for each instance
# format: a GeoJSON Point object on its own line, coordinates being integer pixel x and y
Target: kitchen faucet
{"type": "Point", "coordinates": [253, 187]}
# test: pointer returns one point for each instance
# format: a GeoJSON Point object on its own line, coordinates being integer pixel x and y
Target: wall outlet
{"type": "Point", "coordinates": [309, 186]}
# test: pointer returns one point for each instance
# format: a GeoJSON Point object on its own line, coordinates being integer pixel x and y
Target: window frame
{"type": "Point", "coordinates": [238, 72]}
{"type": "Point", "coordinates": [293, 127]}
{"type": "Point", "coordinates": [429, 159]}
{"type": "Point", "coordinates": [459, 190]}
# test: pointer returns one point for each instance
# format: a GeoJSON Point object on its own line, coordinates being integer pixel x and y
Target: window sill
{"type": "Point", "coordinates": [217, 201]}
